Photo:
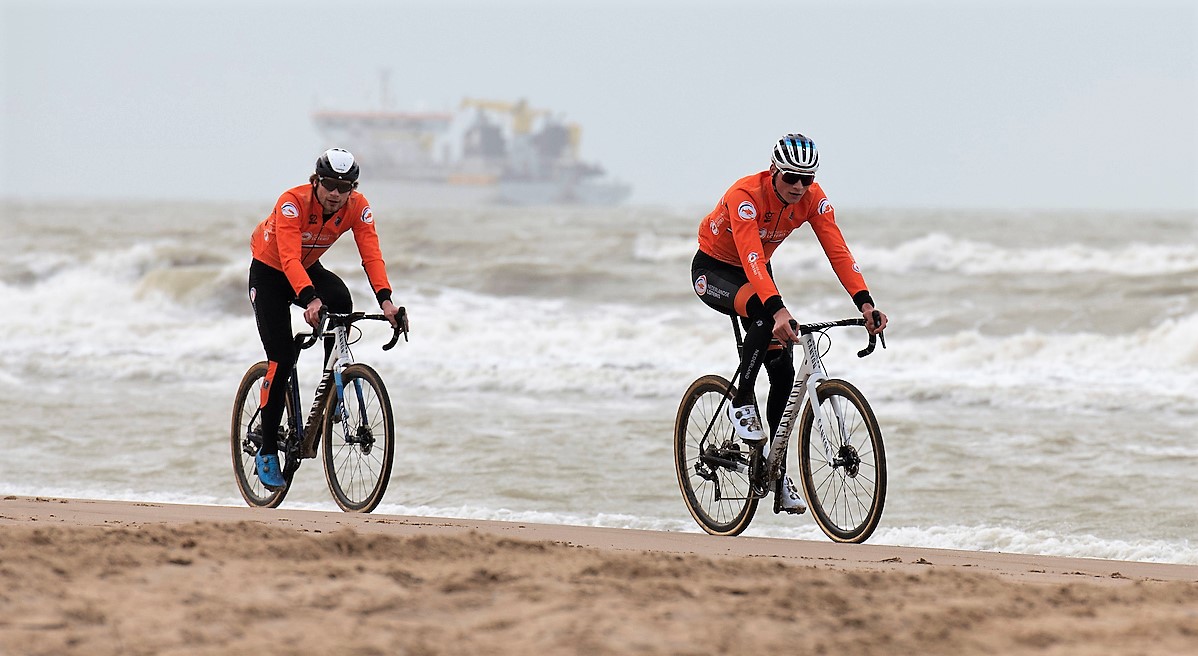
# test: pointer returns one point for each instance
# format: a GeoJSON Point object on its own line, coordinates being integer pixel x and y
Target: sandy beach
{"type": "Point", "coordinates": [107, 577]}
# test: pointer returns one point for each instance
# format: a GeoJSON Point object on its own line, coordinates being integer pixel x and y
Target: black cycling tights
{"type": "Point", "coordinates": [779, 366]}
{"type": "Point", "coordinates": [272, 296]}
{"type": "Point", "coordinates": [719, 284]}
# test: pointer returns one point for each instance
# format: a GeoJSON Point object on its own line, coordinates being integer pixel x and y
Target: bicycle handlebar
{"type": "Point", "coordinates": [401, 326]}
{"type": "Point", "coordinates": [809, 328]}
{"type": "Point", "coordinates": [310, 338]}
{"type": "Point", "coordinates": [347, 320]}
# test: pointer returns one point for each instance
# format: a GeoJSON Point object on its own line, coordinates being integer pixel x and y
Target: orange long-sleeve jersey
{"type": "Point", "coordinates": [295, 235]}
{"type": "Point", "coordinates": [750, 221]}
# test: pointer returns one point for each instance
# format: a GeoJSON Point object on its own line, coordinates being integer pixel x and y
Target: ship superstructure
{"type": "Point", "coordinates": [484, 151]}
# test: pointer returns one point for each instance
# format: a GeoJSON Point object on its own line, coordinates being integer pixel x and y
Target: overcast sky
{"type": "Point", "coordinates": [956, 104]}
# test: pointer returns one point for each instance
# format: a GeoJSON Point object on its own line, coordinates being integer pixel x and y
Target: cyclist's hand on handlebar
{"type": "Point", "coordinates": [874, 327]}
{"type": "Point", "coordinates": [312, 312]}
{"type": "Point", "coordinates": [396, 315]}
{"type": "Point", "coordinates": [784, 331]}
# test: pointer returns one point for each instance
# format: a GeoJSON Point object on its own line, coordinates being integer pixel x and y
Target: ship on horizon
{"type": "Point", "coordinates": [486, 152]}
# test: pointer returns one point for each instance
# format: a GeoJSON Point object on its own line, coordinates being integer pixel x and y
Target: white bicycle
{"type": "Point", "coordinates": [841, 459]}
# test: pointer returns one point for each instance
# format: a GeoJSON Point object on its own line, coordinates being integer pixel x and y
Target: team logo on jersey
{"type": "Point", "coordinates": [747, 211]}
{"type": "Point", "coordinates": [307, 236]}
{"type": "Point", "coordinates": [289, 210]}
{"type": "Point", "coordinates": [824, 206]}
{"type": "Point", "coordinates": [856, 267]}
{"type": "Point", "coordinates": [701, 285]}
{"type": "Point", "coordinates": [753, 257]}
{"type": "Point", "coordinates": [367, 215]}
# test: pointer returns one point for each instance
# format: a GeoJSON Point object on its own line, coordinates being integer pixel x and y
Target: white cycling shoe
{"type": "Point", "coordinates": [787, 498]}
{"type": "Point", "coordinates": [746, 423]}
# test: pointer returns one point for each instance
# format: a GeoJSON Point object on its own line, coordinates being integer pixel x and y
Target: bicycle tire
{"type": "Point", "coordinates": [243, 448]}
{"type": "Point", "coordinates": [845, 500]}
{"type": "Point", "coordinates": [719, 498]}
{"type": "Point", "coordinates": [356, 466]}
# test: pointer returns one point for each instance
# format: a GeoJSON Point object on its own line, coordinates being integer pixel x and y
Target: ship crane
{"type": "Point", "coordinates": [522, 115]}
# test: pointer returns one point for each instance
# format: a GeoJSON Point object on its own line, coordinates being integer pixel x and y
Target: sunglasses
{"type": "Point", "coordinates": [343, 186]}
{"type": "Point", "coordinates": [791, 178]}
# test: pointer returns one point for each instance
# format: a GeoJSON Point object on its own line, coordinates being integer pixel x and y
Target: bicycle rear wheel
{"type": "Point", "coordinates": [359, 445]}
{"type": "Point", "coordinates": [713, 474]}
{"type": "Point", "coordinates": [846, 494]}
{"type": "Point", "coordinates": [245, 438]}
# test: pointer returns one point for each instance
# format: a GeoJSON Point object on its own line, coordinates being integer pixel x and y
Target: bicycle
{"type": "Point", "coordinates": [841, 458]}
{"type": "Point", "coordinates": [351, 414]}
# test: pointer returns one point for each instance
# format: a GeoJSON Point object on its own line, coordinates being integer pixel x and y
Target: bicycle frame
{"type": "Point", "coordinates": [806, 385]}
{"type": "Point", "coordinates": [807, 382]}
{"type": "Point", "coordinates": [339, 358]}
{"type": "Point", "coordinates": [307, 430]}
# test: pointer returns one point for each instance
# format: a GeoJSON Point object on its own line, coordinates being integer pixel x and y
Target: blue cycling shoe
{"type": "Point", "coordinates": [268, 471]}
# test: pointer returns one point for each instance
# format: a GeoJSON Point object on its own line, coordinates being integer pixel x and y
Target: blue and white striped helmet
{"type": "Point", "coordinates": [795, 153]}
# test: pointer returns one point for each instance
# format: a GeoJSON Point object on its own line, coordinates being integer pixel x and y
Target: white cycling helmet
{"type": "Point", "coordinates": [338, 164]}
{"type": "Point", "coordinates": [795, 153]}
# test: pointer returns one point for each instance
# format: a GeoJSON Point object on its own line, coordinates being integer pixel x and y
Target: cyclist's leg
{"type": "Point", "coordinates": [725, 288]}
{"type": "Point", "coordinates": [271, 296]}
{"type": "Point", "coordinates": [333, 294]}
{"type": "Point", "coordinates": [758, 333]}
{"type": "Point", "coordinates": [779, 366]}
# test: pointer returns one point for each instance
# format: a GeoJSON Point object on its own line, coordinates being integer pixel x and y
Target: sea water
{"type": "Point", "coordinates": [1039, 393]}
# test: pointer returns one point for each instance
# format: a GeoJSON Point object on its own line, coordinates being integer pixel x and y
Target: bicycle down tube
{"type": "Point", "coordinates": [339, 359]}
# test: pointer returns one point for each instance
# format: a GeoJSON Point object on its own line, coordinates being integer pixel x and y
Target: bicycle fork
{"type": "Point", "coordinates": [339, 359]}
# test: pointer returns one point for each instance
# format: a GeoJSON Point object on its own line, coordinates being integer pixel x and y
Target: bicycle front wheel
{"type": "Point", "coordinates": [712, 465]}
{"type": "Point", "coordinates": [845, 480]}
{"type": "Point", "coordinates": [245, 438]}
{"type": "Point", "coordinates": [359, 440]}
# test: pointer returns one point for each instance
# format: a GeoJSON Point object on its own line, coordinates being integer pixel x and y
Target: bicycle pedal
{"type": "Point", "coordinates": [779, 510]}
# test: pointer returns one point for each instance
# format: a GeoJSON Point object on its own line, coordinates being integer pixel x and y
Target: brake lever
{"type": "Point", "coordinates": [873, 339]}
{"type": "Point", "coordinates": [400, 328]}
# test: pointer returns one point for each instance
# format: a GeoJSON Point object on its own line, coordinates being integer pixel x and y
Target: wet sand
{"type": "Point", "coordinates": [107, 577]}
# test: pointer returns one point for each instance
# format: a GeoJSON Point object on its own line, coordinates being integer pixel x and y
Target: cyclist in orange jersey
{"type": "Point", "coordinates": [286, 270]}
{"type": "Point", "coordinates": [731, 273]}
